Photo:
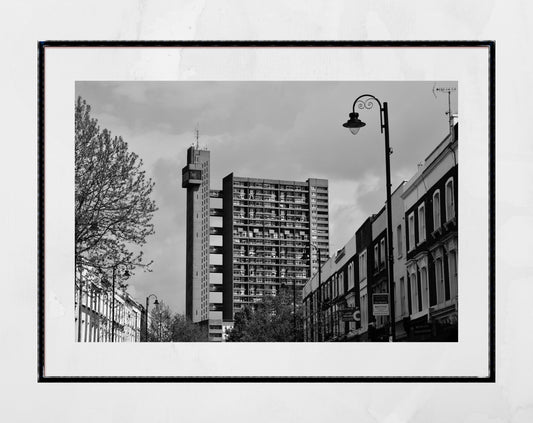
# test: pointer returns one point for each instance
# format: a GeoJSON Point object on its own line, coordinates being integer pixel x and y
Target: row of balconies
{"type": "Point", "coordinates": [260, 235]}
{"type": "Point", "coordinates": [241, 292]}
{"type": "Point", "coordinates": [284, 253]}
{"type": "Point", "coordinates": [265, 281]}
{"type": "Point", "coordinates": [285, 243]}
{"type": "Point", "coordinates": [298, 264]}
{"type": "Point", "coordinates": [270, 198]}
{"type": "Point", "coordinates": [271, 216]}
{"type": "Point", "coordinates": [296, 255]}
{"type": "Point", "coordinates": [270, 275]}
{"type": "Point", "coordinates": [272, 251]}
{"type": "Point", "coordinates": [258, 202]}
{"type": "Point", "coordinates": [250, 300]}
{"type": "Point", "coordinates": [268, 247]}
{"type": "Point", "coordinates": [262, 188]}
{"type": "Point", "coordinates": [269, 224]}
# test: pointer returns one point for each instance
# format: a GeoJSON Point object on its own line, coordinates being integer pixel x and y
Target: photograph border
{"type": "Point", "coordinates": [42, 378]}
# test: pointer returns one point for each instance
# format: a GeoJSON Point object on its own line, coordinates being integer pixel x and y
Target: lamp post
{"type": "Point", "coordinates": [156, 302]}
{"type": "Point", "coordinates": [366, 101]}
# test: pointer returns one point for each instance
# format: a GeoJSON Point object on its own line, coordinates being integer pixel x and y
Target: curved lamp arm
{"type": "Point", "coordinates": [156, 302]}
{"type": "Point", "coordinates": [366, 101]}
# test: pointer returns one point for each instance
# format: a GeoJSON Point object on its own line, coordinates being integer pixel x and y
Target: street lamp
{"type": "Point", "coordinates": [156, 303]}
{"type": "Point", "coordinates": [366, 101]}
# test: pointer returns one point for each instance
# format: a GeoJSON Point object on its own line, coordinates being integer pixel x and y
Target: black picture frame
{"type": "Point", "coordinates": [42, 378]}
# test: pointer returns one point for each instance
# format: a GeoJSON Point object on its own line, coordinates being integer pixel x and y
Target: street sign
{"type": "Point", "coordinates": [350, 314]}
{"type": "Point", "coordinates": [380, 304]}
{"type": "Point", "coordinates": [347, 315]}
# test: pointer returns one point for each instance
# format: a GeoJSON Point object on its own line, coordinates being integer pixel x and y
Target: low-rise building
{"type": "Point", "coordinates": [97, 311]}
{"type": "Point", "coordinates": [430, 199]}
{"type": "Point", "coordinates": [424, 252]}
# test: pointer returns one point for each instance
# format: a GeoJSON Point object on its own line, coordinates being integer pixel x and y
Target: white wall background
{"type": "Point", "coordinates": [22, 399]}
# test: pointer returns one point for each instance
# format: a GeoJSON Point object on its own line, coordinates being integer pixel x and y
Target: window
{"type": "Point", "coordinates": [450, 207]}
{"type": "Point", "coordinates": [411, 224]}
{"type": "Point", "coordinates": [382, 251]}
{"type": "Point", "coordinates": [452, 268]}
{"type": "Point", "coordinates": [421, 223]}
{"type": "Point", "coordinates": [362, 266]}
{"type": "Point", "coordinates": [439, 280]}
{"type": "Point", "coordinates": [364, 310]}
{"type": "Point", "coordinates": [414, 292]}
{"type": "Point", "coordinates": [436, 210]}
{"type": "Point", "coordinates": [399, 240]}
{"type": "Point", "coordinates": [350, 276]}
{"type": "Point", "coordinates": [403, 298]}
{"type": "Point", "coordinates": [424, 288]}
{"type": "Point", "coordinates": [376, 256]}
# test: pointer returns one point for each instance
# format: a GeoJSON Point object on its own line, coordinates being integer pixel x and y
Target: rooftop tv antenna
{"type": "Point", "coordinates": [446, 90]}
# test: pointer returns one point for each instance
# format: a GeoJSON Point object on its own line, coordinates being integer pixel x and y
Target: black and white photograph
{"type": "Point", "coordinates": [266, 211]}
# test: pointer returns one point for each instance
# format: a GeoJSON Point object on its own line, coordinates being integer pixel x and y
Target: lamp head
{"type": "Point", "coordinates": [156, 302]}
{"type": "Point", "coordinates": [353, 123]}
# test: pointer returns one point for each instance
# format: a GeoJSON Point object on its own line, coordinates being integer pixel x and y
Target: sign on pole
{"type": "Point", "coordinates": [380, 304]}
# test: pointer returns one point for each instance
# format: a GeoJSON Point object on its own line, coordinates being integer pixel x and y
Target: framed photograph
{"type": "Point", "coordinates": [266, 211]}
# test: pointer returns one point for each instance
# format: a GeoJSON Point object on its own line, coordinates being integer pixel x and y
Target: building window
{"type": "Point", "coordinates": [439, 280]}
{"type": "Point", "coordinates": [382, 251]}
{"type": "Point", "coordinates": [421, 223]}
{"type": "Point", "coordinates": [362, 265]}
{"type": "Point", "coordinates": [376, 256]}
{"type": "Point", "coordinates": [399, 240]}
{"type": "Point", "coordinates": [350, 276]}
{"type": "Point", "coordinates": [411, 225]}
{"type": "Point", "coordinates": [436, 210]}
{"type": "Point", "coordinates": [403, 298]}
{"type": "Point", "coordinates": [452, 268]}
{"type": "Point", "coordinates": [450, 206]}
{"type": "Point", "coordinates": [364, 311]}
{"type": "Point", "coordinates": [424, 288]}
{"type": "Point", "coordinates": [414, 292]}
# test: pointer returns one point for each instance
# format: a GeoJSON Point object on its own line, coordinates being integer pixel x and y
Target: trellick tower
{"type": "Point", "coordinates": [195, 177]}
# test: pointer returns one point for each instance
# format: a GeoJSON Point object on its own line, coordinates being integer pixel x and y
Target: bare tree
{"type": "Point", "coordinates": [113, 209]}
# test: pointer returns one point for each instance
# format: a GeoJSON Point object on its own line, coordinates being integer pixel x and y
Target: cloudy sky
{"type": "Point", "coordinates": [275, 130]}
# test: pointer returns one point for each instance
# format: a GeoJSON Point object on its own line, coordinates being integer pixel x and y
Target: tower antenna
{"type": "Point", "coordinates": [447, 90]}
{"type": "Point", "coordinates": [197, 135]}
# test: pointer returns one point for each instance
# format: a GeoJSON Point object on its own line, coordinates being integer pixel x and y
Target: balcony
{"type": "Point", "coordinates": [214, 230]}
